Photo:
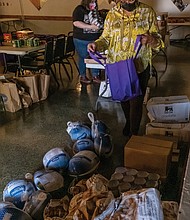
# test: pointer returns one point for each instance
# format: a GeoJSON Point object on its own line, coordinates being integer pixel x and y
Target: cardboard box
{"type": "Point", "coordinates": [168, 109]}
{"type": "Point", "coordinates": [175, 149]}
{"type": "Point", "coordinates": [150, 154]}
{"type": "Point", "coordinates": [180, 130]}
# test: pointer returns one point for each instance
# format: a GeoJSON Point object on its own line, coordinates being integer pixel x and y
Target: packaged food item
{"type": "Point", "coordinates": [152, 184]}
{"type": "Point", "coordinates": [117, 176]}
{"type": "Point", "coordinates": [132, 172]}
{"type": "Point", "coordinates": [139, 181]}
{"type": "Point", "coordinates": [142, 174]}
{"type": "Point", "coordinates": [128, 179]}
{"type": "Point", "coordinates": [153, 176]}
{"type": "Point", "coordinates": [124, 187]}
{"type": "Point", "coordinates": [122, 170]}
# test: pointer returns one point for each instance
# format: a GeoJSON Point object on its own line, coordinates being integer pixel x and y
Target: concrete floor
{"type": "Point", "coordinates": [25, 136]}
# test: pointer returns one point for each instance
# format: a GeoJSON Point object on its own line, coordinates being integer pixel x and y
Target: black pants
{"type": "Point", "coordinates": [133, 108]}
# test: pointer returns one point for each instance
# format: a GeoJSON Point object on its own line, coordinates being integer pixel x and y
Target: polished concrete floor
{"type": "Point", "coordinates": [25, 136]}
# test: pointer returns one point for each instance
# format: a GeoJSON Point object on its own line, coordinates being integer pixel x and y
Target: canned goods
{"type": "Point", "coordinates": [16, 43]}
{"type": "Point", "coordinates": [117, 176]}
{"type": "Point", "coordinates": [128, 179]}
{"type": "Point", "coordinates": [36, 42]}
{"type": "Point", "coordinates": [124, 187]}
{"type": "Point", "coordinates": [30, 42]}
{"type": "Point", "coordinates": [121, 170]}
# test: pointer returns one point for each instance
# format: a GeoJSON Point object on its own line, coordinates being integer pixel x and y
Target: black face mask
{"type": "Point", "coordinates": [129, 6]}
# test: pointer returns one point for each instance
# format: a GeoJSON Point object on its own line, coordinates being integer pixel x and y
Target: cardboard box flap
{"type": "Point", "coordinates": [173, 139]}
{"type": "Point", "coordinates": [168, 100]}
{"type": "Point", "coordinates": [154, 142]}
{"type": "Point", "coordinates": [148, 149]}
{"type": "Point", "coordinates": [182, 131]}
{"type": "Point", "coordinates": [183, 126]}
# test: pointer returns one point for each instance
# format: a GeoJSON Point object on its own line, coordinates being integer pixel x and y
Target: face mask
{"type": "Point", "coordinates": [92, 6]}
{"type": "Point", "coordinates": [129, 6]}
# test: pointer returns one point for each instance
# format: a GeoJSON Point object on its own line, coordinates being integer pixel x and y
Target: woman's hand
{"type": "Point", "coordinates": [149, 39]}
{"type": "Point", "coordinates": [94, 27]}
{"type": "Point", "coordinates": [91, 47]}
{"type": "Point", "coordinates": [146, 39]}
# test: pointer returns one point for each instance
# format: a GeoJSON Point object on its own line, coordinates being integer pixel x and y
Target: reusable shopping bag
{"type": "Point", "coordinates": [36, 84]}
{"type": "Point", "coordinates": [44, 82]}
{"type": "Point", "coordinates": [12, 101]}
{"type": "Point", "coordinates": [31, 84]}
{"type": "Point", "coordinates": [122, 75]}
{"type": "Point", "coordinates": [25, 97]}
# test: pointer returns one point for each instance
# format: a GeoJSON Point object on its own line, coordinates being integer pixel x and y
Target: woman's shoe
{"type": "Point", "coordinates": [96, 79]}
{"type": "Point", "coordinates": [84, 79]}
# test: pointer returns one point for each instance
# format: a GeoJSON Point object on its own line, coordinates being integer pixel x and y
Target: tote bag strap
{"type": "Point", "coordinates": [98, 57]}
{"type": "Point", "coordinates": [137, 46]}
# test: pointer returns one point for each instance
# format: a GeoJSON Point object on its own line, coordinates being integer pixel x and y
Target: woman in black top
{"type": "Point", "coordinates": [87, 26]}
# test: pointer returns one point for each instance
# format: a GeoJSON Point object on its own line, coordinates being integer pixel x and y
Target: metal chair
{"type": "Point", "coordinates": [46, 63]}
{"type": "Point", "coordinates": [154, 71]}
{"type": "Point", "coordinates": [162, 19]}
{"type": "Point", "coordinates": [70, 51]}
{"type": "Point", "coordinates": [59, 54]}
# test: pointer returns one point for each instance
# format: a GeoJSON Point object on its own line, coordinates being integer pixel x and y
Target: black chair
{"type": "Point", "coordinates": [10, 63]}
{"type": "Point", "coordinates": [156, 55]}
{"type": "Point", "coordinates": [46, 63]}
{"type": "Point", "coordinates": [70, 51]}
{"type": "Point", "coordinates": [59, 54]}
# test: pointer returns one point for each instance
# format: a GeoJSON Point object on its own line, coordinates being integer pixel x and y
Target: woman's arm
{"type": "Point", "coordinates": [83, 25]}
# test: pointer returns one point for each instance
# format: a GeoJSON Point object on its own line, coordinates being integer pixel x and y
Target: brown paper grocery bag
{"type": "Point", "coordinates": [31, 85]}
{"type": "Point", "coordinates": [25, 99]}
{"type": "Point", "coordinates": [44, 82]}
{"type": "Point", "coordinates": [12, 103]}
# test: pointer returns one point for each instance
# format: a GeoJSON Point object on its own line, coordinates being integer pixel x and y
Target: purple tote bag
{"type": "Point", "coordinates": [122, 75]}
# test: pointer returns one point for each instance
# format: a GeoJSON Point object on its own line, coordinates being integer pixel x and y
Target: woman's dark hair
{"type": "Point", "coordinates": [86, 2]}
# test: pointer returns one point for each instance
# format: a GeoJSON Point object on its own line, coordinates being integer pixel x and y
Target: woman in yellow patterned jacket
{"type": "Point", "coordinates": [123, 23]}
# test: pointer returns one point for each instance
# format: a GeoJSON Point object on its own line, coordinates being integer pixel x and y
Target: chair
{"type": "Point", "coordinates": [59, 54]}
{"type": "Point", "coordinates": [70, 51]}
{"type": "Point", "coordinates": [10, 63]}
{"type": "Point", "coordinates": [46, 63]}
{"type": "Point", "coordinates": [162, 19]}
{"type": "Point", "coordinates": [154, 72]}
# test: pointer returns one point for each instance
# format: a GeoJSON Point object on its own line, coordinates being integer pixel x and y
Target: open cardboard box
{"type": "Point", "coordinates": [150, 154]}
{"type": "Point", "coordinates": [180, 130]}
{"type": "Point", "coordinates": [171, 109]}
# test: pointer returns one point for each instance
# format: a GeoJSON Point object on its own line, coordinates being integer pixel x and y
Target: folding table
{"type": "Point", "coordinates": [19, 52]}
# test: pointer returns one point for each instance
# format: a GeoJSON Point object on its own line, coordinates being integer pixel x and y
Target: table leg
{"type": "Point", "coordinates": [19, 66]}
{"type": "Point", "coordinates": [5, 63]}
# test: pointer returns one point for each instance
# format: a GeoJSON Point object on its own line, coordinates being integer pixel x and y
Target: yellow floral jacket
{"type": "Point", "coordinates": [120, 32]}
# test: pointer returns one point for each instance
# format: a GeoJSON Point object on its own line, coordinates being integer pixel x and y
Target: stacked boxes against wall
{"type": "Point", "coordinates": [169, 119]}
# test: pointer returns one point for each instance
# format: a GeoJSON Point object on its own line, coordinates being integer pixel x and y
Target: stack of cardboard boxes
{"type": "Point", "coordinates": [169, 116]}
{"type": "Point", "coordinates": [169, 125]}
